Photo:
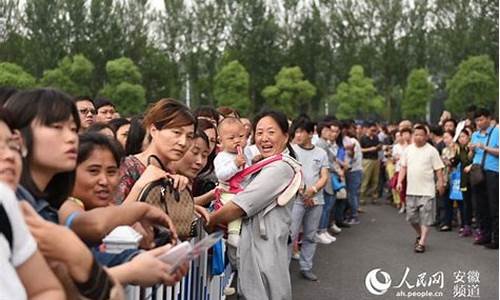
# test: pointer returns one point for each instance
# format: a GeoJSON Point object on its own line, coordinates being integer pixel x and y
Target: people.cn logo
{"type": "Point", "coordinates": [374, 286]}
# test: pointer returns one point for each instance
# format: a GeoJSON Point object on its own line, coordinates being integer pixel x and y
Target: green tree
{"type": "Point", "coordinates": [13, 75]}
{"type": "Point", "coordinates": [124, 86]}
{"type": "Point", "coordinates": [358, 97]}
{"type": "Point", "coordinates": [418, 93]}
{"type": "Point", "coordinates": [72, 75]}
{"type": "Point", "coordinates": [475, 82]}
{"type": "Point", "coordinates": [291, 93]}
{"type": "Point", "coordinates": [232, 87]}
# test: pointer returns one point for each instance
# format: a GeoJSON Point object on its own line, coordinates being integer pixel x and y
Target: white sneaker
{"type": "Point", "coordinates": [233, 239]}
{"type": "Point", "coordinates": [335, 228]}
{"type": "Point", "coordinates": [330, 237]}
{"type": "Point", "coordinates": [322, 239]}
{"type": "Point", "coordinates": [402, 210]}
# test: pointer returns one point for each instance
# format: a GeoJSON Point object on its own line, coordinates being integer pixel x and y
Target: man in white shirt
{"type": "Point", "coordinates": [419, 163]}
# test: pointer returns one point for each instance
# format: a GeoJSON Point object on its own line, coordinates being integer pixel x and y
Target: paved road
{"type": "Point", "coordinates": [384, 240]}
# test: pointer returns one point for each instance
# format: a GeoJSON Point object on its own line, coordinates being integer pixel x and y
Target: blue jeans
{"type": "Point", "coordinates": [114, 259]}
{"type": "Point", "coordinates": [325, 214]}
{"type": "Point", "coordinates": [353, 182]}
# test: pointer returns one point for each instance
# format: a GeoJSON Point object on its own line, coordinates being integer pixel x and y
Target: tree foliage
{"type": "Point", "coordinates": [232, 87]}
{"type": "Point", "coordinates": [358, 97]}
{"type": "Point", "coordinates": [475, 82]}
{"type": "Point", "coordinates": [124, 87]}
{"type": "Point", "coordinates": [291, 93]}
{"type": "Point", "coordinates": [418, 93]}
{"type": "Point", "coordinates": [72, 75]}
{"type": "Point", "coordinates": [12, 75]}
{"type": "Point", "coordinates": [181, 46]}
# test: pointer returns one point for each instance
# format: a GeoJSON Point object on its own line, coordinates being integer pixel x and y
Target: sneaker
{"type": "Point", "coordinates": [343, 225]}
{"type": "Point", "coordinates": [361, 211]}
{"type": "Point", "coordinates": [335, 228]}
{"type": "Point", "coordinates": [353, 221]}
{"type": "Point", "coordinates": [322, 239]}
{"type": "Point", "coordinates": [465, 231]}
{"type": "Point", "coordinates": [402, 210]}
{"type": "Point", "coordinates": [233, 239]}
{"type": "Point", "coordinates": [330, 237]}
{"type": "Point", "coordinates": [229, 291]}
{"type": "Point", "coordinates": [309, 275]}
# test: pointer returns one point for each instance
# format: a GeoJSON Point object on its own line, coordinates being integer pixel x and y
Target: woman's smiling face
{"type": "Point", "coordinates": [269, 138]}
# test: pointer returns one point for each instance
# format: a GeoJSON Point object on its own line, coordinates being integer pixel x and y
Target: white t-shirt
{"type": "Point", "coordinates": [420, 163]}
{"type": "Point", "coordinates": [357, 159]}
{"type": "Point", "coordinates": [24, 246]}
{"type": "Point", "coordinates": [397, 154]}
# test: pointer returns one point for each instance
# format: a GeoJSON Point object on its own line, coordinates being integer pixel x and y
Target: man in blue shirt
{"type": "Point", "coordinates": [484, 151]}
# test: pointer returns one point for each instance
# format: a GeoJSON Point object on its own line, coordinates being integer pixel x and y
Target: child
{"type": "Point", "coordinates": [228, 162]}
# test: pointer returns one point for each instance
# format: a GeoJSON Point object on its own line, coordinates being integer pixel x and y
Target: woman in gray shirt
{"type": "Point", "coordinates": [262, 252]}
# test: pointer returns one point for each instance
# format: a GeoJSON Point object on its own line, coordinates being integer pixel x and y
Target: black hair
{"type": "Point", "coordinates": [84, 98]}
{"type": "Point", "coordinates": [97, 127]}
{"type": "Point", "coordinates": [203, 125]}
{"type": "Point", "coordinates": [209, 166]}
{"type": "Point", "coordinates": [89, 141]}
{"type": "Point", "coordinates": [422, 127]}
{"type": "Point", "coordinates": [5, 93]}
{"type": "Point", "coordinates": [304, 124]}
{"type": "Point", "coordinates": [280, 119]}
{"type": "Point", "coordinates": [6, 118]}
{"type": "Point", "coordinates": [482, 112]}
{"type": "Point", "coordinates": [329, 118]}
{"type": "Point", "coordinates": [321, 125]}
{"type": "Point", "coordinates": [369, 124]}
{"type": "Point", "coordinates": [406, 129]}
{"type": "Point", "coordinates": [103, 102]}
{"type": "Point", "coordinates": [47, 106]}
{"type": "Point", "coordinates": [450, 132]}
{"type": "Point", "coordinates": [340, 138]}
{"type": "Point", "coordinates": [436, 130]}
{"type": "Point", "coordinates": [115, 124]}
{"type": "Point", "coordinates": [465, 131]}
{"type": "Point", "coordinates": [450, 120]}
{"type": "Point", "coordinates": [136, 135]}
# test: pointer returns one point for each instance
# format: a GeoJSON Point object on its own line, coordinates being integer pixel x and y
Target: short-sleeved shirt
{"type": "Point", "coordinates": [263, 261]}
{"type": "Point", "coordinates": [420, 163]}
{"type": "Point", "coordinates": [491, 161]}
{"type": "Point", "coordinates": [357, 159]}
{"type": "Point", "coordinates": [312, 160]}
{"type": "Point", "coordinates": [23, 247]}
{"type": "Point", "coordinates": [130, 170]}
{"type": "Point", "coordinates": [367, 142]}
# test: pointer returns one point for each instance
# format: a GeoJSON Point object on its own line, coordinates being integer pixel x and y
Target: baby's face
{"type": "Point", "coordinates": [232, 136]}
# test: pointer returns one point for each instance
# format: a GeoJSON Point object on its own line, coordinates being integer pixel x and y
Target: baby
{"type": "Point", "coordinates": [228, 162]}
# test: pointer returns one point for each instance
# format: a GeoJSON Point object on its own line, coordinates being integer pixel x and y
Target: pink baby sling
{"type": "Point", "coordinates": [235, 181]}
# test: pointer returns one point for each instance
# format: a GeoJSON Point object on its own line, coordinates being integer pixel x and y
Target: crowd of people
{"type": "Point", "coordinates": [73, 169]}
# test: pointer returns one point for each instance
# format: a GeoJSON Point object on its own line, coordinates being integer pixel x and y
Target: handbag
{"type": "Point", "coordinates": [179, 205]}
{"type": "Point", "coordinates": [476, 174]}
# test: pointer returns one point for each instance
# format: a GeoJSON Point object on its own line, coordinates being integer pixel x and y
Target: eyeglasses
{"type": "Point", "coordinates": [85, 111]}
{"type": "Point", "coordinates": [14, 144]}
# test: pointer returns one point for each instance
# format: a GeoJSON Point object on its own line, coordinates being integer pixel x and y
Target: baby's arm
{"type": "Point", "coordinates": [225, 166]}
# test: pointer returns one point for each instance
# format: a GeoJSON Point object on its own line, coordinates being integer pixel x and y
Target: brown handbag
{"type": "Point", "coordinates": [179, 205]}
